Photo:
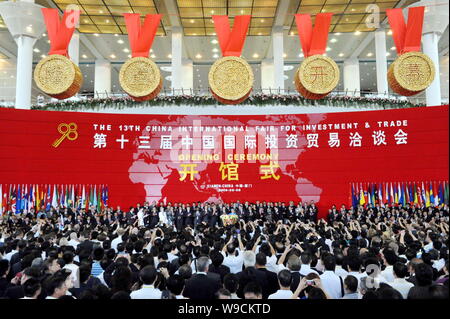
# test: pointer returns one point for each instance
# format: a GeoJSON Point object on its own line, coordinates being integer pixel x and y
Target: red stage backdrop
{"type": "Point", "coordinates": [210, 158]}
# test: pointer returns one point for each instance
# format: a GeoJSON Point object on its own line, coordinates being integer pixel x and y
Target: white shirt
{"type": "Point", "coordinates": [439, 264]}
{"type": "Point", "coordinates": [305, 270]}
{"type": "Point", "coordinates": [341, 272]}
{"type": "Point", "coordinates": [74, 243]}
{"type": "Point", "coordinates": [402, 285]}
{"type": "Point", "coordinates": [9, 255]}
{"type": "Point", "coordinates": [388, 273]}
{"type": "Point", "coordinates": [332, 284]}
{"type": "Point", "coordinates": [271, 264]}
{"type": "Point", "coordinates": [146, 292]}
{"type": "Point", "coordinates": [234, 263]}
{"type": "Point", "coordinates": [115, 242]}
{"type": "Point", "coordinates": [282, 294]}
{"type": "Point", "coordinates": [74, 271]}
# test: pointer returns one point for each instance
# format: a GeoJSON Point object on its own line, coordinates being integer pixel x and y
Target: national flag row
{"type": "Point", "coordinates": [22, 197]}
{"type": "Point", "coordinates": [395, 193]}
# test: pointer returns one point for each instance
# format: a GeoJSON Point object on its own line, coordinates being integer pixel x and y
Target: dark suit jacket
{"type": "Point", "coordinates": [222, 270]}
{"type": "Point", "coordinates": [251, 274]}
{"type": "Point", "coordinates": [272, 282]}
{"type": "Point", "coordinates": [201, 287]}
{"type": "Point", "coordinates": [296, 277]}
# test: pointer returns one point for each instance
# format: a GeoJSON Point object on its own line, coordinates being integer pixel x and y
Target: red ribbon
{"type": "Point", "coordinates": [60, 32]}
{"type": "Point", "coordinates": [407, 38]}
{"type": "Point", "coordinates": [232, 41]}
{"type": "Point", "coordinates": [314, 41]}
{"type": "Point", "coordinates": [141, 36]}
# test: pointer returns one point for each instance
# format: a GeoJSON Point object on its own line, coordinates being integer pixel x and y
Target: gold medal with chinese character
{"type": "Point", "coordinates": [411, 73]}
{"type": "Point", "coordinates": [58, 77]}
{"type": "Point", "coordinates": [231, 77]}
{"type": "Point", "coordinates": [316, 77]}
{"type": "Point", "coordinates": [231, 80]}
{"type": "Point", "coordinates": [140, 78]}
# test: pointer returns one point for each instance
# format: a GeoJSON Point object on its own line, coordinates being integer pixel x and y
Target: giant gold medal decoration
{"type": "Point", "coordinates": [140, 77]}
{"type": "Point", "coordinates": [413, 71]}
{"type": "Point", "coordinates": [318, 75]}
{"type": "Point", "coordinates": [56, 75]}
{"type": "Point", "coordinates": [231, 77]}
{"type": "Point", "coordinates": [231, 80]}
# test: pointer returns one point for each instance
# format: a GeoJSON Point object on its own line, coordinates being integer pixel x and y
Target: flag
{"type": "Point", "coordinates": [67, 190]}
{"type": "Point", "coordinates": [404, 193]}
{"type": "Point", "coordinates": [366, 195]}
{"type": "Point", "coordinates": [362, 200]}
{"type": "Point", "coordinates": [431, 194]}
{"type": "Point", "coordinates": [407, 196]}
{"type": "Point", "coordinates": [416, 198]}
{"type": "Point", "coordinates": [25, 198]}
{"type": "Point", "coordinates": [18, 199]}
{"type": "Point", "coordinates": [99, 199]}
{"type": "Point", "coordinates": [392, 196]}
{"type": "Point", "coordinates": [446, 193]}
{"type": "Point", "coordinates": [106, 196]}
{"type": "Point", "coordinates": [374, 194]}
{"type": "Point", "coordinates": [354, 199]}
{"type": "Point", "coordinates": [31, 199]}
{"type": "Point", "coordinates": [4, 201]}
{"type": "Point", "coordinates": [13, 199]}
{"type": "Point", "coordinates": [441, 194]}
{"type": "Point", "coordinates": [427, 197]}
{"type": "Point", "coordinates": [380, 194]}
{"type": "Point", "coordinates": [62, 197]}
{"type": "Point", "coordinates": [55, 197]}
{"type": "Point", "coordinates": [435, 193]}
{"type": "Point", "coordinates": [48, 200]}
{"type": "Point", "coordinates": [83, 198]}
{"type": "Point", "coordinates": [94, 196]}
{"type": "Point", "coordinates": [72, 197]}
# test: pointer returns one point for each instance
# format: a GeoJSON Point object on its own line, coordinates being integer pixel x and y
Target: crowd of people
{"type": "Point", "coordinates": [181, 251]}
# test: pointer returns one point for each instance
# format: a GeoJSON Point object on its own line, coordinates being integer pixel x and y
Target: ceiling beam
{"type": "Point", "coordinates": [8, 54]}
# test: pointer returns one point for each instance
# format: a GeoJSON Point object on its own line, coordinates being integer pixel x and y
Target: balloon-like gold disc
{"type": "Point", "coordinates": [231, 80]}
{"type": "Point", "coordinates": [58, 77]}
{"type": "Point", "coordinates": [140, 78]}
{"type": "Point", "coordinates": [411, 73]}
{"type": "Point", "coordinates": [317, 76]}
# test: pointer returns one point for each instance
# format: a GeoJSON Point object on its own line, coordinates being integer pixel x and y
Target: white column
{"type": "Point", "coordinates": [381, 61]}
{"type": "Point", "coordinates": [177, 60]}
{"type": "Point", "coordinates": [102, 82]}
{"type": "Point", "coordinates": [278, 57]}
{"type": "Point", "coordinates": [24, 71]}
{"type": "Point", "coordinates": [352, 78]}
{"type": "Point", "coordinates": [267, 76]}
{"type": "Point", "coordinates": [74, 48]}
{"type": "Point", "coordinates": [431, 48]}
{"type": "Point", "coordinates": [187, 74]}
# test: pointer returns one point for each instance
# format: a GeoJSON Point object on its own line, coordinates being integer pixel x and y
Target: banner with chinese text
{"type": "Point", "coordinates": [174, 158]}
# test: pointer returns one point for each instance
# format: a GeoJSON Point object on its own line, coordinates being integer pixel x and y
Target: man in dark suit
{"type": "Point", "coordinates": [217, 267]}
{"type": "Point", "coordinates": [271, 277]}
{"type": "Point", "coordinates": [251, 274]}
{"type": "Point", "coordinates": [200, 286]}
